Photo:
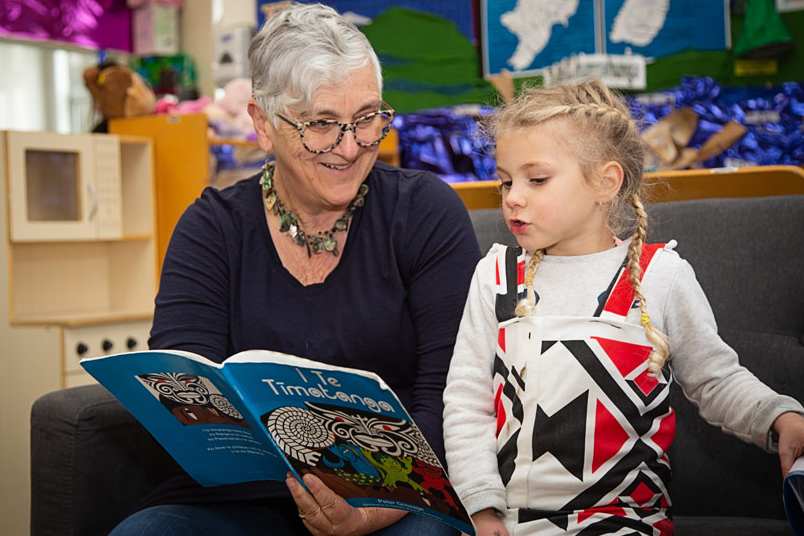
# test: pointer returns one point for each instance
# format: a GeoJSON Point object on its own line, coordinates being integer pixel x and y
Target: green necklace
{"type": "Point", "coordinates": [289, 224]}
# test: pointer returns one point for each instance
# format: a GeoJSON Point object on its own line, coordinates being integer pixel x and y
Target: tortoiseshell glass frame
{"type": "Point", "coordinates": [300, 126]}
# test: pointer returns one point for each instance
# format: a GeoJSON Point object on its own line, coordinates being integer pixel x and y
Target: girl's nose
{"type": "Point", "coordinates": [514, 196]}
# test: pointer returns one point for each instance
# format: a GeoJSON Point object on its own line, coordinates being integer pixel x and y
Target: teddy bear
{"type": "Point", "coordinates": [118, 91]}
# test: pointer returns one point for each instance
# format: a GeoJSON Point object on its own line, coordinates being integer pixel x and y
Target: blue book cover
{"type": "Point", "coordinates": [260, 414]}
{"type": "Point", "coordinates": [793, 495]}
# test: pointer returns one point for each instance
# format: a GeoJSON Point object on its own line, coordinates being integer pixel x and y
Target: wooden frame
{"type": "Point", "coordinates": [754, 181]}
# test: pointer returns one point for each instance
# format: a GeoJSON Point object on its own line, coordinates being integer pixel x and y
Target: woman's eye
{"type": "Point", "coordinates": [321, 126]}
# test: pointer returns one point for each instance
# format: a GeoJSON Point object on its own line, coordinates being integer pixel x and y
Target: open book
{"type": "Point", "coordinates": [793, 494]}
{"type": "Point", "coordinates": [260, 414]}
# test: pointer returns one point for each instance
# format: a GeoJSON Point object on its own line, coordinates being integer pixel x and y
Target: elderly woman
{"type": "Point", "coordinates": [326, 254]}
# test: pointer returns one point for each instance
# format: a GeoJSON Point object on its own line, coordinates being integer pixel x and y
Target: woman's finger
{"type": "Point", "coordinates": [305, 502]}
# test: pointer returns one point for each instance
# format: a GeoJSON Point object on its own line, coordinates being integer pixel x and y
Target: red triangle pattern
{"type": "Point", "coordinates": [609, 436]}
{"type": "Point", "coordinates": [622, 295]}
{"type": "Point", "coordinates": [625, 356]}
{"type": "Point", "coordinates": [497, 271]}
{"type": "Point", "coordinates": [610, 509]}
{"type": "Point", "coordinates": [665, 527]}
{"type": "Point", "coordinates": [667, 431]}
{"type": "Point", "coordinates": [645, 382]}
{"type": "Point", "coordinates": [501, 417]}
{"type": "Point", "coordinates": [520, 273]}
{"type": "Point", "coordinates": [642, 494]}
{"type": "Point", "coordinates": [501, 339]}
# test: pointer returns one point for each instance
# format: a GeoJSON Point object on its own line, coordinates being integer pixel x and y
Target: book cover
{"type": "Point", "coordinates": [793, 495]}
{"type": "Point", "coordinates": [260, 414]}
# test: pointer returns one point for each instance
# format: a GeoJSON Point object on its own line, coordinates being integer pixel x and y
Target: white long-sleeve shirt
{"type": "Point", "coordinates": [727, 395]}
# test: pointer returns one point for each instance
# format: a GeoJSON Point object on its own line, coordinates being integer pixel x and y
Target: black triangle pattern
{"type": "Point", "coordinates": [563, 435]}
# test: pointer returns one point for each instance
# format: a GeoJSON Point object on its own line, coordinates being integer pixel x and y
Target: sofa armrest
{"type": "Point", "coordinates": [91, 461]}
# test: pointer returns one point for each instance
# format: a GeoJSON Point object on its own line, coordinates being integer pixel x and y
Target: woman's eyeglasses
{"type": "Point", "coordinates": [323, 135]}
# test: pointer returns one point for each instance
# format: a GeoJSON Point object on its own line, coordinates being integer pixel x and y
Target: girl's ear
{"type": "Point", "coordinates": [611, 180]}
{"type": "Point", "coordinates": [263, 127]}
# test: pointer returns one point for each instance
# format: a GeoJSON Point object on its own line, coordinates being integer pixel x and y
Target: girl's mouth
{"type": "Point", "coordinates": [517, 226]}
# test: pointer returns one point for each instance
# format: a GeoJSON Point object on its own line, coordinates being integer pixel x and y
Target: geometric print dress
{"type": "Point", "coordinates": [582, 430]}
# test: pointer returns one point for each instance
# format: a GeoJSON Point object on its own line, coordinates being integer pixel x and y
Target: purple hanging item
{"type": "Point", "coordinates": [444, 141]}
{"type": "Point", "coordinates": [88, 23]}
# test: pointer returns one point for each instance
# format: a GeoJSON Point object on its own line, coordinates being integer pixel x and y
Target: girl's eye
{"type": "Point", "coordinates": [505, 184]}
{"type": "Point", "coordinates": [538, 180]}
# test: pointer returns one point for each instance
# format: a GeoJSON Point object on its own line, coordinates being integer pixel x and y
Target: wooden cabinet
{"type": "Point", "coordinates": [181, 164]}
{"type": "Point", "coordinates": [66, 298]}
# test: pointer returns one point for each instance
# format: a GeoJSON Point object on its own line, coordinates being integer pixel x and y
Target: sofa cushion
{"type": "Point", "coordinates": [91, 461]}
{"type": "Point", "coordinates": [731, 526]}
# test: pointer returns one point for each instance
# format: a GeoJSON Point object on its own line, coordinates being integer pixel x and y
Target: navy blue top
{"type": "Point", "coordinates": [392, 305]}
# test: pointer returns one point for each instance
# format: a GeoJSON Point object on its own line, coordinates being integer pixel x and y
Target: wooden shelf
{"type": "Point", "coordinates": [76, 319]}
{"type": "Point", "coordinates": [755, 181]}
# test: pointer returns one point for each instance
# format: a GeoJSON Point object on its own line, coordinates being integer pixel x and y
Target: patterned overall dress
{"type": "Point", "coordinates": [582, 430]}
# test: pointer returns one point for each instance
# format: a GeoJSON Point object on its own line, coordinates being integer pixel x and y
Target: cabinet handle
{"type": "Point", "coordinates": [131, 343]}
{"type": "Point", "coordinates": [94, 193]}
{"type": "Point", "coordinates": [107, 345]}
{"type": "Point", "coordinates": [81, 348]}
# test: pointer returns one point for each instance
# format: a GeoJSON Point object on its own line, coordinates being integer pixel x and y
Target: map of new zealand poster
{"type": "Point", "coordinates": [526, 36]}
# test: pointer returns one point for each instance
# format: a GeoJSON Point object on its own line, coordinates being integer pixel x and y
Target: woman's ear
{"type": "Point", "coordinates": [262, 126]}
{"type": "Point", "coordinates": [611, 180]}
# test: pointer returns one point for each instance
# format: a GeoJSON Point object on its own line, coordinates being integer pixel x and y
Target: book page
{"type": "Point", "coordinates": [189, 407]}
{"type": "Point", "coordinates": [350, 430]}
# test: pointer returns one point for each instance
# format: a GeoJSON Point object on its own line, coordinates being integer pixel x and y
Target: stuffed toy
{"type": "Point", "coordinates": [118, 91]}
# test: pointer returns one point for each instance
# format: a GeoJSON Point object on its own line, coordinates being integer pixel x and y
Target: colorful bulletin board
{"type": "Point", "coordinates": [427, 50]}
{"type": "Point", "coordinates": [525, 36]}
{"type": "Point", "coordinates": [460, 12]}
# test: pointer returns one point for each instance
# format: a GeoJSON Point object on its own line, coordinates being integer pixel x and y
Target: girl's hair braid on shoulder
{"type": "Point", "coordinates": [527, 306]}
{"type": "Point", "coordinates": [656, 358]}
{"type": "Point", "coordinates": [601, 130]}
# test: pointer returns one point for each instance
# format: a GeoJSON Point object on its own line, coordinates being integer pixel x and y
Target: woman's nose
{"type": "Point", "coordinates": [348, 146]}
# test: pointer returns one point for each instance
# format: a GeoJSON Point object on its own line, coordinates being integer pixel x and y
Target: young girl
{"type": "Point", "coordinates": [556, 417]}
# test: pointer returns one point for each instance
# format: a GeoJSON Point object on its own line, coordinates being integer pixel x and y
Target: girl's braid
{"type": "Point", "coordinates": [527, 305]}
{"type": "Point", "coordinates": [655, 359]}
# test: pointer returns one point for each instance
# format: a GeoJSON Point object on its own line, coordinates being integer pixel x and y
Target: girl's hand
{"type": "Point", "coordinates": [790, 428]}
{"type": "Point", "coordinates": [488, 524]}
{"type": "Point", "coordinates": [325, 513]}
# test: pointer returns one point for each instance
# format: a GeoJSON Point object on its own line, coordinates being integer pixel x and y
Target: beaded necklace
{"type": "Point", "coordinates": [290, 225]}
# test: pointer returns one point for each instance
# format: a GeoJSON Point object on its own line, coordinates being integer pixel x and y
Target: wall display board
{"type": "Point", "coordinates": [362, 12]}
{"type": "Point", "coordinates": [525, 36]}
{"type": "Point", "coordinates": [427, 50]}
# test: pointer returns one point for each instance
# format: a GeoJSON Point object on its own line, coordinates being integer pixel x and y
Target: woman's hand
{"type": "Point", "coordinates": [326, 513]}
{"type": "Point", "coordinates": [790, 428]}
{"type": "Point", "coordinates": [488, 524]}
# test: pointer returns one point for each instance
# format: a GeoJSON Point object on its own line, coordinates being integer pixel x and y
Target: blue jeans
{"type": "Point", "coordinates": [248, 520]}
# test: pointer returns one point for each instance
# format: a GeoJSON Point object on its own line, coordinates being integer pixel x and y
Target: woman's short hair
{"type": "Point", "coordinates": [300, 49]}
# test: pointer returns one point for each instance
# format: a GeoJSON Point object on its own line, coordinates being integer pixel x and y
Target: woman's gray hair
{"type": "Point", "coordinates": [300, 49]}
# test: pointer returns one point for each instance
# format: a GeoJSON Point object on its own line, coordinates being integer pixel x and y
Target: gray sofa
{"type": "Point", "coordinates": [91, 461]}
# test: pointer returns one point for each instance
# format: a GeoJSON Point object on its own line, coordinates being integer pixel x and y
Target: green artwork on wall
{"type": "Point", "coordinates": [427, 62]}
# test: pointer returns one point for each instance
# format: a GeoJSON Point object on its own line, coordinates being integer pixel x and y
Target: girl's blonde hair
{"type": "Point", "coordinates": [601, 130]}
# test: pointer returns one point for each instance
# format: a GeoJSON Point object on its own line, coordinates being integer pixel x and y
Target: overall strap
{"type": "Point", "coordinates": [510, 275]}
{"type": "Point", "coordinates": [620, 295]}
